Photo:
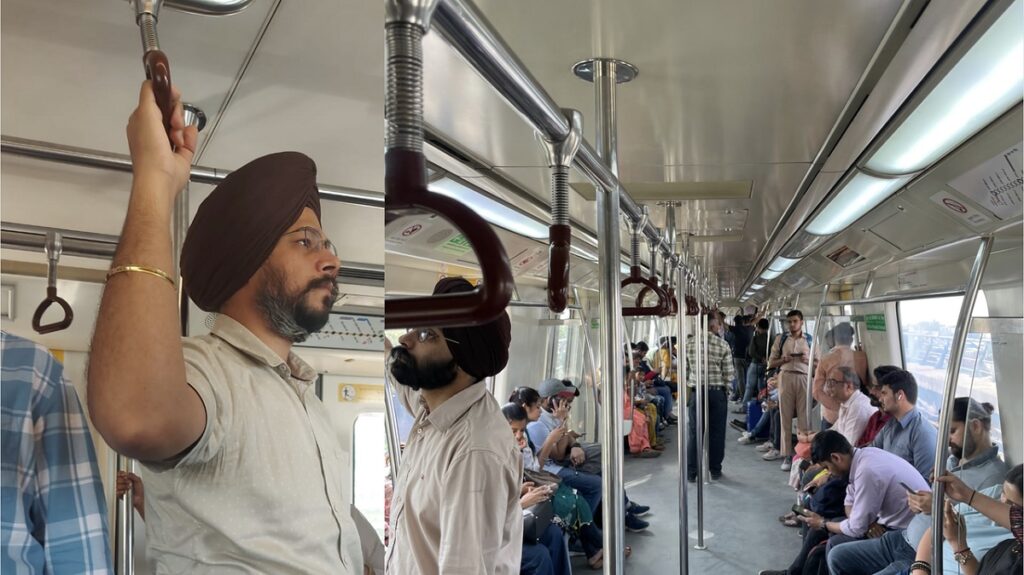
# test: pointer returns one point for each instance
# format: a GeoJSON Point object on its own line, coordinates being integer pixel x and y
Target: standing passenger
{"type": "Point", "coordinates": [720, 371]}
{"type": "Point", "coordinates": [841, 355]}
{"type": "Point", "coordinates": [54, 512]}
{"type": "Point", "coordinates": [456, 505]}
{"type": "Point", "coordinates": [242, 466]}
{"type": "Point", "coordinates": [791, 354]}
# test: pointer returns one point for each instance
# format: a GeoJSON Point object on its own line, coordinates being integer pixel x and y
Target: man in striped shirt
{"type": "Point", "coordinates": [54, 517]}
{"type": "Point", "coordinates": [720, 371]}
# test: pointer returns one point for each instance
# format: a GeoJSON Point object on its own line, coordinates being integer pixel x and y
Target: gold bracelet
{"type": "Point", "coordinates": [140, 269]}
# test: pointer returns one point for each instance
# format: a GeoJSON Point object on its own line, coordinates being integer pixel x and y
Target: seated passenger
{"type": "Point", "coordinates": [643, 425]}
{"type": "Point", "coordinates": [908, 434]}
{"type": "Point", "coordinates": [557, 396]}
{"type": "Point", "coordinates": [842, 354]}
{"type": "Point", "coordinates": [876, 501]}
{"type": "Point", "coordinates": [54, 511]}
{"type": "Point", "coordinates": [843, 386]}
{"type": "Point", "coordinates": [974, 458]}
{"type": "Point", "coordinates": [1004, 557]}
{"type": "Point", "coordinates": [572, 510]}
{"type": "Point", "coordinates": [456, 503]}
{"type": "Point", "coordinates": [878, 419]}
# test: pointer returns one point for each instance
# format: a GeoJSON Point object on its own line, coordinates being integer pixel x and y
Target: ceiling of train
{"type": "Point", "coordinates": [727, 92]}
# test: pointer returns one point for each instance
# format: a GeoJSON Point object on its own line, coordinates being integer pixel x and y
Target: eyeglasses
{"type": "Point", "coordinates": [424, 335]}
{"type": "Point", "coordinates": [831, 381]}
{"type": "Point", "coordinates": [314, 241]}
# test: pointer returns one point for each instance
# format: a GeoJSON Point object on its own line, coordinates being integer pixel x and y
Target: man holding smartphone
{"type": "Point", "coordinates": [791, 355]}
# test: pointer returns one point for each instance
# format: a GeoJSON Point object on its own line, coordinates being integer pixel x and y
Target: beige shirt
{"type": "Point", "coordinates": [261, 491]}
{"type": "Point", "coordinates": [840, 356]}
{"type": "Point", "coordinates": [792, 345]}
{"type": "Point", "coordinates": [456, 504]}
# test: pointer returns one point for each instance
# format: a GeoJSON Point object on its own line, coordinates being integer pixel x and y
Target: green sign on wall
{"type": "Point", "coordinates": [875, 321]}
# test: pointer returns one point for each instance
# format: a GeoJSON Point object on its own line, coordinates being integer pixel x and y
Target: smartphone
{"type": "Point", "coordinates": [907, 487]}
{"type": "Point", "coordinates": [799, 509]}
{"type": "Point", "coordinates": [584, 434]}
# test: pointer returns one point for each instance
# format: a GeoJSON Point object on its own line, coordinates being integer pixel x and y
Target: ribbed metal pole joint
{"type": "Point", "coordinates": [404, 105]}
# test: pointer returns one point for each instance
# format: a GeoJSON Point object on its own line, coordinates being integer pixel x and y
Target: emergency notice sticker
{"type": "Point", "coordinates": [997, 185]}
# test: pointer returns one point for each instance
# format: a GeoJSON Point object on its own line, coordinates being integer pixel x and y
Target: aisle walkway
{"type": "Point", "coordinates": [743, 534]}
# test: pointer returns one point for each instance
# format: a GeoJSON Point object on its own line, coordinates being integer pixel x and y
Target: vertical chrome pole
{"type": "Point", "coordinates": [124, 536]}
{"type": "Point", "coordinates": [698, 345]}
{"type": "Point", "coordinates": [611, 334]}
{"type": "Point", "coordinates": [810, 361]}
{"type": "Point", "coordinates": [952, 375]}
{"type": "Point", "coordinates": [705, 455]}
{"type": "Point", "coordinates": [391, 427]}
{"type": "Point", "coordinates": [682, 427]}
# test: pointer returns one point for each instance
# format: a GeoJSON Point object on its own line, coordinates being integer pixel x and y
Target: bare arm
{"type": "Point", "coordinates": [138, 396]}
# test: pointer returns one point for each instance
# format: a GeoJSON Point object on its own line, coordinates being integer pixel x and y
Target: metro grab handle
{"type": "Point", "coordinates": [405, 192]}
{"type": "Point", "coordinates": [661, 309]}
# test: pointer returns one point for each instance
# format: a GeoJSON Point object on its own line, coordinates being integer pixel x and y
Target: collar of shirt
{"type": "Point", "coordinates": [907, 419]}
{"type": "Point", "coordinates": [456, 406]}
{"type": "Point", "coordinates": [854, 398]}
{"type": "Point", "coordinates": [240, 338]}
{"type": "Point", "coordinates": [548, 419]}
{"type": "Point", "coordinates": [989, 454]}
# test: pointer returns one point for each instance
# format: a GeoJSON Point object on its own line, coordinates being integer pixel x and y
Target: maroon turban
{"type": "Point", "coordinates": [481, 351]}
{"type": "Point", "coordinates": [238, 225]}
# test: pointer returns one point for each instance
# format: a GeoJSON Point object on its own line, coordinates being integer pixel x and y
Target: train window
{"type": "Point", "coordinates": [369, 468]}
{"type": "Point", "coordinates": [926, 330]}
{"type": "Point", "coordinates": [978, 377]}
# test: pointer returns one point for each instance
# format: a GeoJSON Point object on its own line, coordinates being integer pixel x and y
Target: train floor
{"type": "Point", "coordinates": [742, 531]}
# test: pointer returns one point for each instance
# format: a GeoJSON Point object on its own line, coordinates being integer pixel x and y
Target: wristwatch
{"type": "Point", "coordinates": [963, 556]}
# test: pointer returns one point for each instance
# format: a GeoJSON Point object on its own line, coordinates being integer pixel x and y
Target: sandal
{"type": "Point", "coordinates": [791, 523]}
{"type": "Point", "coordinates": [787, 517]}
{"type": "Point", "coordinates": [659, 447]}
{"type": "Point", "coordinates": [648, 453]}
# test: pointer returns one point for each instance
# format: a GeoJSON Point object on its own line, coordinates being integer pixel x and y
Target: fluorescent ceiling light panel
{"type": "Point", "coordinates": [585, 254]}
{"type": "Point", "coordinates": [491, 210]}
{"type": "Point", "coordinates": [985, 83]}
{"type": "Point", "coordinates": [781, 264]}
{"type": "Point", "coordinates": [769, 274]}
{"type": "Point", "coordinates": [857, 197]}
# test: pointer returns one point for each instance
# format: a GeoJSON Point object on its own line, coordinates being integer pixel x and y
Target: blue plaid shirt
{"type": "Point", "coordinates": [54, 516]}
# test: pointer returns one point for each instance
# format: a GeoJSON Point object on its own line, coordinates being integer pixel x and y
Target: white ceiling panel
{"type": "Point", "coordinates": [71, 70]}
{"type": "Point", "coordinates": [316, 85]}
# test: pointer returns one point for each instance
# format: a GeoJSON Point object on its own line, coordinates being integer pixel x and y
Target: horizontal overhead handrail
{"type": "Point", "coordinates": [75, 156]}
{"type": "Point", "coordinates": [91, 245]}
{"type": "Point", "coordinates": [468, 31]}
{"type": "Point", "coordinates": [405, 185]}
{"type": "Point", "coordinates": [898, 296]}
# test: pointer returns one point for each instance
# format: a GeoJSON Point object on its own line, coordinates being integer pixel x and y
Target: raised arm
{"type": "Point", "coordinates": [138, 397]}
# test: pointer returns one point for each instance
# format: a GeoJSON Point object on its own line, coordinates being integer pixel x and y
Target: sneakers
{"type": "Point", "coordinates": [771, 455]}
{"type": "Point", "coordinates": [740, 409]}
{"type": "Point", "coordinates": [635, 524]}
{"type": "Point", "coordinates": [738, 425]}
{"type": "Point", "coordinates": [716, 476]}
{"type": "Point", "coordinates": [746, 439]}
{"type": "Point", "coordinates": [787, 464]}
{"type": "Point", "coordinates": [765, 447]}
{"type": "Point", "coordinates": [638, 510]}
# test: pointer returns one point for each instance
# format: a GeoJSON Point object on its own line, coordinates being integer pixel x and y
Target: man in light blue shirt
{"type": "Point", "coordinates": [976, 461]}
{"type": "Point", "coordinates": [54, 517]}
{"type": "Point", "coordinates": [907, 434]}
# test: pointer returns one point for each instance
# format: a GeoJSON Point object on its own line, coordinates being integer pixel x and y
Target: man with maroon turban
{"type": "Point", "coordinates": [242, 467]}
{"type": "Point", "coordinates": [456, 503]}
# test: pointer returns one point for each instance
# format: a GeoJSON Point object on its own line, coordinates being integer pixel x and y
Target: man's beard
{"type": "Point", "coordinates": [956, 451]}
{"type": "Point", "coordinates": [409, 372]}
{"type": "Point", "coordinates": [288, 314]}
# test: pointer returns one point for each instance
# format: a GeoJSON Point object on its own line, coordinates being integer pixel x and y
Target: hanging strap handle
{"type": "Point", "coordinates": [53, 251]}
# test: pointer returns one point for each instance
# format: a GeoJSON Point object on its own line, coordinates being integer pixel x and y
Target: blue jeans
{"type": "Point", "coordinates": [741, 365]}
{"type": "Point", "coordinates": [587, 484]}
{"type": "Point", "coordinates": [755, 381]}
{"type": "Point", "coordinates": [536, 560]}
{"type": "Point", "coordinates": [666, 394]}
{"type": "Point", "coordinates": [764, 425]}
{"type": "Point", "coordinates": [887, 555]}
